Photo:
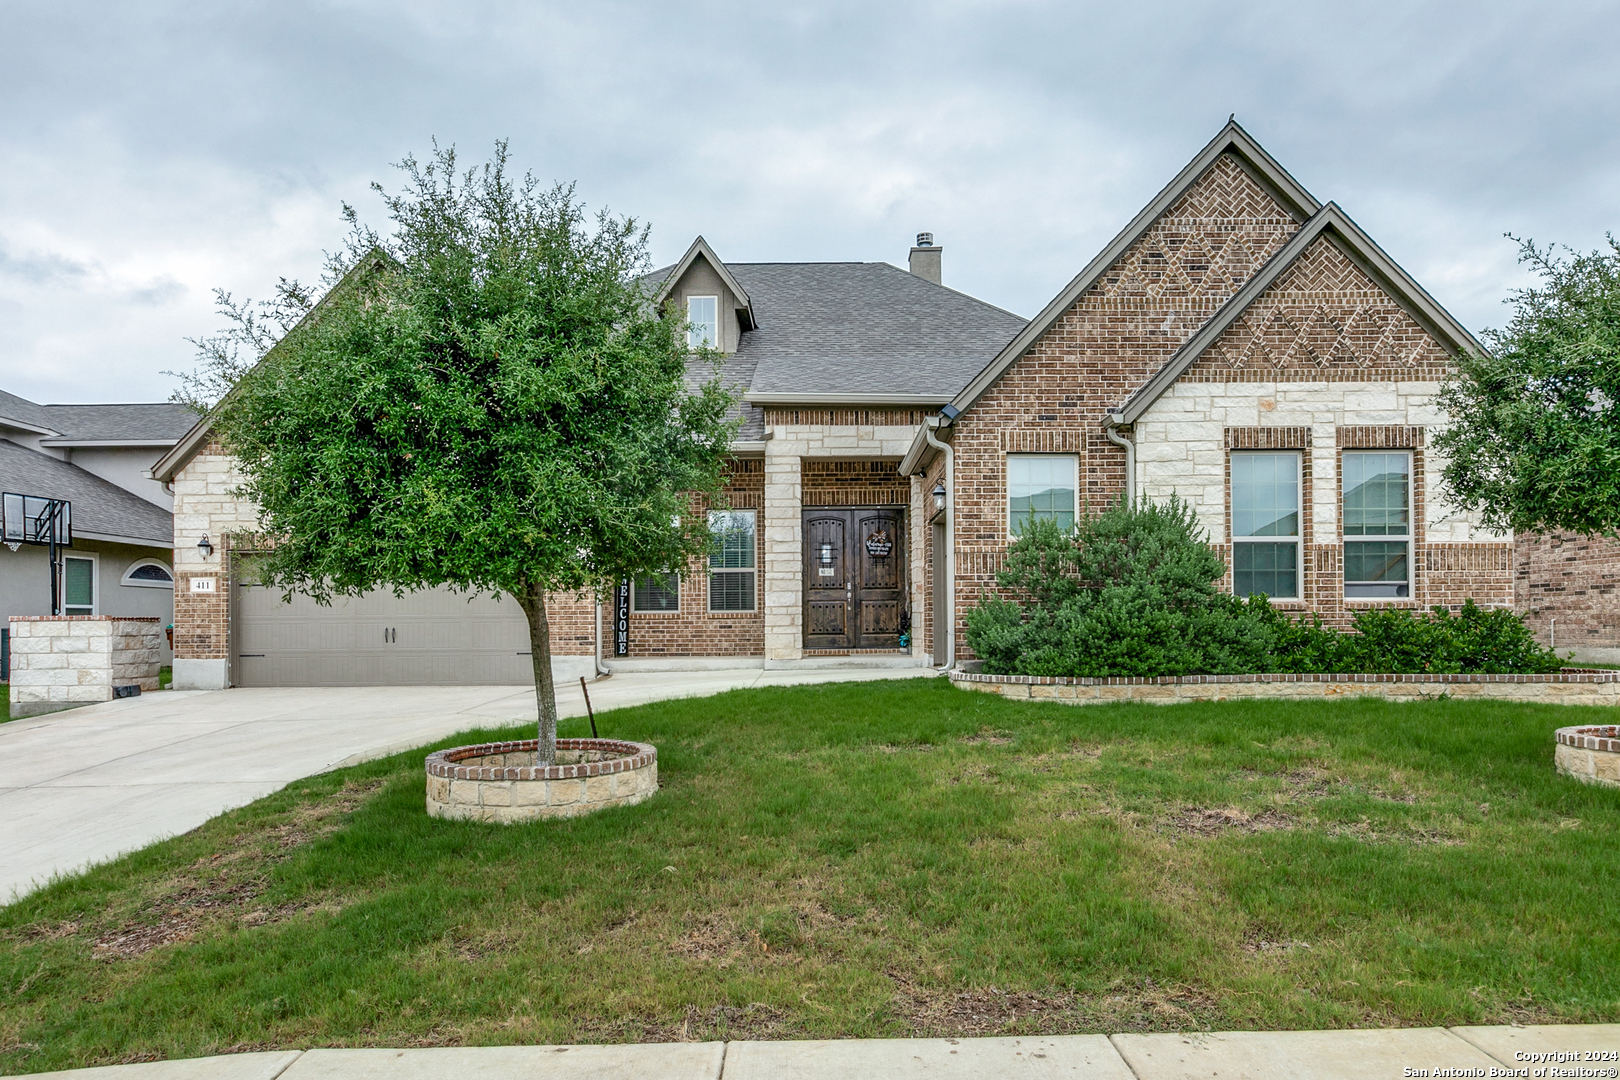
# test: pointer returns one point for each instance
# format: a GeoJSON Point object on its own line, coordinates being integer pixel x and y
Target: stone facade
{"type": "Point", "coordinates": [59, 662]}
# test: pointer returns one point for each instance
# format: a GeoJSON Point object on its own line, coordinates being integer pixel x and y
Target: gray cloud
{"type": "Point", "coordinates": [176, 147]}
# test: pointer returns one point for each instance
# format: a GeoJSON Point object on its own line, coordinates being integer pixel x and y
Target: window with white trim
{"type": "Point", "coordinates": [731, 563]}
{"type": "Point", "coordinates": [657, 593]}
{"type": "Point", "coordinates": [79, 585]}
{"type": "Point", "coordinates": [1041, 486]}
{"type": "Point", "coordinates": [148, 574]}
{"type": "Point", "coordinates": [1377, 510]}
{"type": "Point", "coordinates": [703, 322]}
{"type": "Point", "coordinates": [1266, 524]}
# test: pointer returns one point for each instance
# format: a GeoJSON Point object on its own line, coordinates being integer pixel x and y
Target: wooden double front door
{"type": "Point", "coordinates": [854, 577]}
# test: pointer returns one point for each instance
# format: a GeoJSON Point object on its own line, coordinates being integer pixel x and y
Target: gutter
{"type": "Point", "coordinates": [1111, 433]}
{"type": "Point", "coordinates": [930, 426]}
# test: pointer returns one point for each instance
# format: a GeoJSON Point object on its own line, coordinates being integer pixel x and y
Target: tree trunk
{"type": "Point", "coordinates": [532, 599]}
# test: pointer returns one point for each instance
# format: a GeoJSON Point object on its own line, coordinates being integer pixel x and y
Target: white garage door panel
{"type": "Point", "coordinates": [430, 638]}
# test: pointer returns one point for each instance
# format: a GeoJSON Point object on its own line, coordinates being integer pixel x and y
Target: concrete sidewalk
{"type": "Point", "coordinates": [1297, 1055]}
{"type": "Point", "coordinates": [86, 785]}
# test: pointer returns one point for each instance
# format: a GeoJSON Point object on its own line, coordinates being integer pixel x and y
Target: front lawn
{"type": "Point", "coordinates": [870, 859]}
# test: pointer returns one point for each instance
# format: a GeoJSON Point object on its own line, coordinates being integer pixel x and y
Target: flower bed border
{"type": "Point", "coordinates": [1590, 754]}
{"type": "Point", "coordinates": [1572, 686]}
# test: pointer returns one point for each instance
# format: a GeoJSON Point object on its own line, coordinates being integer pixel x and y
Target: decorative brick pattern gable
{"type": "Point", "coordinates": [1323, 320]}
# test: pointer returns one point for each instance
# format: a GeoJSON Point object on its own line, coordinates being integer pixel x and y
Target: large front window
{"type": "Point", "coordinates": [731, 562]}
{"type": "Point", "coordinates": [1266, 524]}
{"type": "Point", "coordinates": [703, 322]}
{"type": "Point", "coordinates": [1040, 486]}
{"type": "Point", "coordinates": [1377, 525]}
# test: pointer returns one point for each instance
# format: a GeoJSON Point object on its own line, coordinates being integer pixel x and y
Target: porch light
{"type": "Point", "coordinates": [939, 496]}
{"type": "Point", "coordinates": [826, 554]}
{"type": "Point", "coordinates": [205, 546]}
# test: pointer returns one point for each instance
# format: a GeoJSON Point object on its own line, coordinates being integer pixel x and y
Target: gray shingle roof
{"type": "Point", "coordinates": [98, 506]}
{"type": "Point", "coordinates": [146, 422]}
{"type": "Point", "coordinates": [864, 328]}
{"type": "Point", "coordinates": [23, 411]}
{"type": "Point", "coordinates": [156, 422]}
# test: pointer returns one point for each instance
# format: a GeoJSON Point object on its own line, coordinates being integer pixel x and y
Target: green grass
{"type": "Point", "coordinates": [871, 859]}
{"type": "Point", "coordinates": [5, 702]}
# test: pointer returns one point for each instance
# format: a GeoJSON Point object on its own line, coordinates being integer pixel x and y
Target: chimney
{"type": "Point", "coordinates": [925, 258]}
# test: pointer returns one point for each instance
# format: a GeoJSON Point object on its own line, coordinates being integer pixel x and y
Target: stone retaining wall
{"type": "Point", "coordinates": [58, 662]}
{"type": "Point", "coordinates": [1569, 687]}
{"type": "Point", "coordinates": [500, 782]}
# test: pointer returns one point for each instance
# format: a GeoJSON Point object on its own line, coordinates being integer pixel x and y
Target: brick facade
{"type": "Point", "coordinates": [694, 630]}
{"type": "Point", "coordinates": [1565, 586]}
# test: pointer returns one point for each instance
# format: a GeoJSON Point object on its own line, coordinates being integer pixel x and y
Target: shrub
{"type": "Point", "coordinates": [1132, 592]}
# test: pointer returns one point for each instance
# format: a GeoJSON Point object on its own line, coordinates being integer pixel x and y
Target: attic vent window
{"type": "Point", "coordinates": [703, 322]}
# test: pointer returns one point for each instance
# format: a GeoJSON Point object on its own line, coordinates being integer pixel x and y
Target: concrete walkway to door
{"type": "Point", "coordinates": [84, 786]}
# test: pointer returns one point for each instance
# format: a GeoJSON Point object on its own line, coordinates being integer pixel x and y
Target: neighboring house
{"type": "Point", "coordinates": [97, 458]}
{"type": "Point", "coordinates": [1239, 344]}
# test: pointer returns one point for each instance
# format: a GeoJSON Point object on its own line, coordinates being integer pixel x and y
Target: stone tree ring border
{"type": "Point", "coordinates": [484, 783]}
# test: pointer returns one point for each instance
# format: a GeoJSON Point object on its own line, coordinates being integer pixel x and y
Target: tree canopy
{"type": "Point", "coordinates": [1533, 435]}
{"type": "Point", "coordinates": [485, 400]}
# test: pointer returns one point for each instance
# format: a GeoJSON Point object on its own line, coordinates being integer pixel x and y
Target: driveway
{"type": "Point", "coordinates": [83, 786]}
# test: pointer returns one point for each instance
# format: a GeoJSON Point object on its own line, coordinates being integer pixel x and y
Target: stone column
{"type": "Point", "coordinates": [784, 555]}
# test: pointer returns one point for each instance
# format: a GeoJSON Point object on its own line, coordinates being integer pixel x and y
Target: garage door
{"type": "Point", "coordinates": [432, 638]}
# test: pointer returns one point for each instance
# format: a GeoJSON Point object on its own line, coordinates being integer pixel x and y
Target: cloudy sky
{"type": "Point", "coordinates": [156, 151]}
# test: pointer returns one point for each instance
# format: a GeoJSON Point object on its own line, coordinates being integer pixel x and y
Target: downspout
{"type": "Point", "coordinates": [933, 424]}
{"type": "Point", "coordinates": [598, 636]}
{"type": "Point", "coordinates": [1111, 431]}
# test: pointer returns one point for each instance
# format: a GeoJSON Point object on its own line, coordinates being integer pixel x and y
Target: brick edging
{"type": "Point", "coordinates": [84, 618]}
{"type": "Point", "coordinates": [1567, 676]}
{"type": "Point", "coordinates": [1604, 737]}
{"type": "Point", "coordinates": [636, 756]}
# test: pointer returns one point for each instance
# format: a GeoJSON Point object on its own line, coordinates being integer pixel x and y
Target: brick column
{"type": "Point", "coordinates": [784, 555]}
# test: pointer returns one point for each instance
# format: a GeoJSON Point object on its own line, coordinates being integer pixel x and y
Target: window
{"type": "Point", "coordinates": [658, 592]}
{"type": "Point", "coordinates": [731, 563]}
{"type": "Point", "coordinates": [703, 315]}
{"type": "Point", "coordinates": [1040, 486]}
{"type": "Point", "coordinates": [78, 586]}
{"type": "Point", "coordinates": [1377, 503]}
{"type": "Point", "coordinates": [1265, 525]}
{"type": "Point", "coordinates": [148, 574]}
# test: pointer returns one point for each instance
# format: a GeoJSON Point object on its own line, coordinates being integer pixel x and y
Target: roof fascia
{"type": "Point", "coordinates": [1335, 225]}
{"type": "Point", "coordinates": [7, 421]}
{"type": "Point", "coordinates": [934, 400]}
{"type": "Point", "coordinates": [165, 467]}
{"type": "Point", "coordinates": [138, 444]}
{"type": "Point", "coordinates": [701, 247]}
{"type": "Point", "coordinates": [135, 541]}
{"type": "Point", "coordinates": [1250, 155]}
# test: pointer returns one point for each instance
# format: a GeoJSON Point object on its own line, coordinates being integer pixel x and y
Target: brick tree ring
{"type": "Point", "coordinates": [1590, 754]}
{"type": "Point", "coordinates": [500, 782]}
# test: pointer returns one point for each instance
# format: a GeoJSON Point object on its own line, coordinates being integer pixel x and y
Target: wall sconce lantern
{"type": "Point", "coordinates": [939, 496]}
{"type": "Point", "coordinates": [205, 546]}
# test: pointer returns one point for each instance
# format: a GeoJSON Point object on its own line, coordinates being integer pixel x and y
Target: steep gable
{"type": "Point", "coordinates": [1330, 305]}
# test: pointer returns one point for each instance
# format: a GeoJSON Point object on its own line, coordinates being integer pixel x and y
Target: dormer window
{"type": "Point", "coordinates": [703, 319]}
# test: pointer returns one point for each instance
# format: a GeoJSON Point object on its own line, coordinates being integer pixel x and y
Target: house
{"type": "Point", "coordinates": [1239, 343]}
{"type": "Point", "coordinates": [95, 457]}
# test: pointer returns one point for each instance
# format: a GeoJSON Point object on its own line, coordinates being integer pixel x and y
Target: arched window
{"type": "Point", "coordinates": [148, 574]}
